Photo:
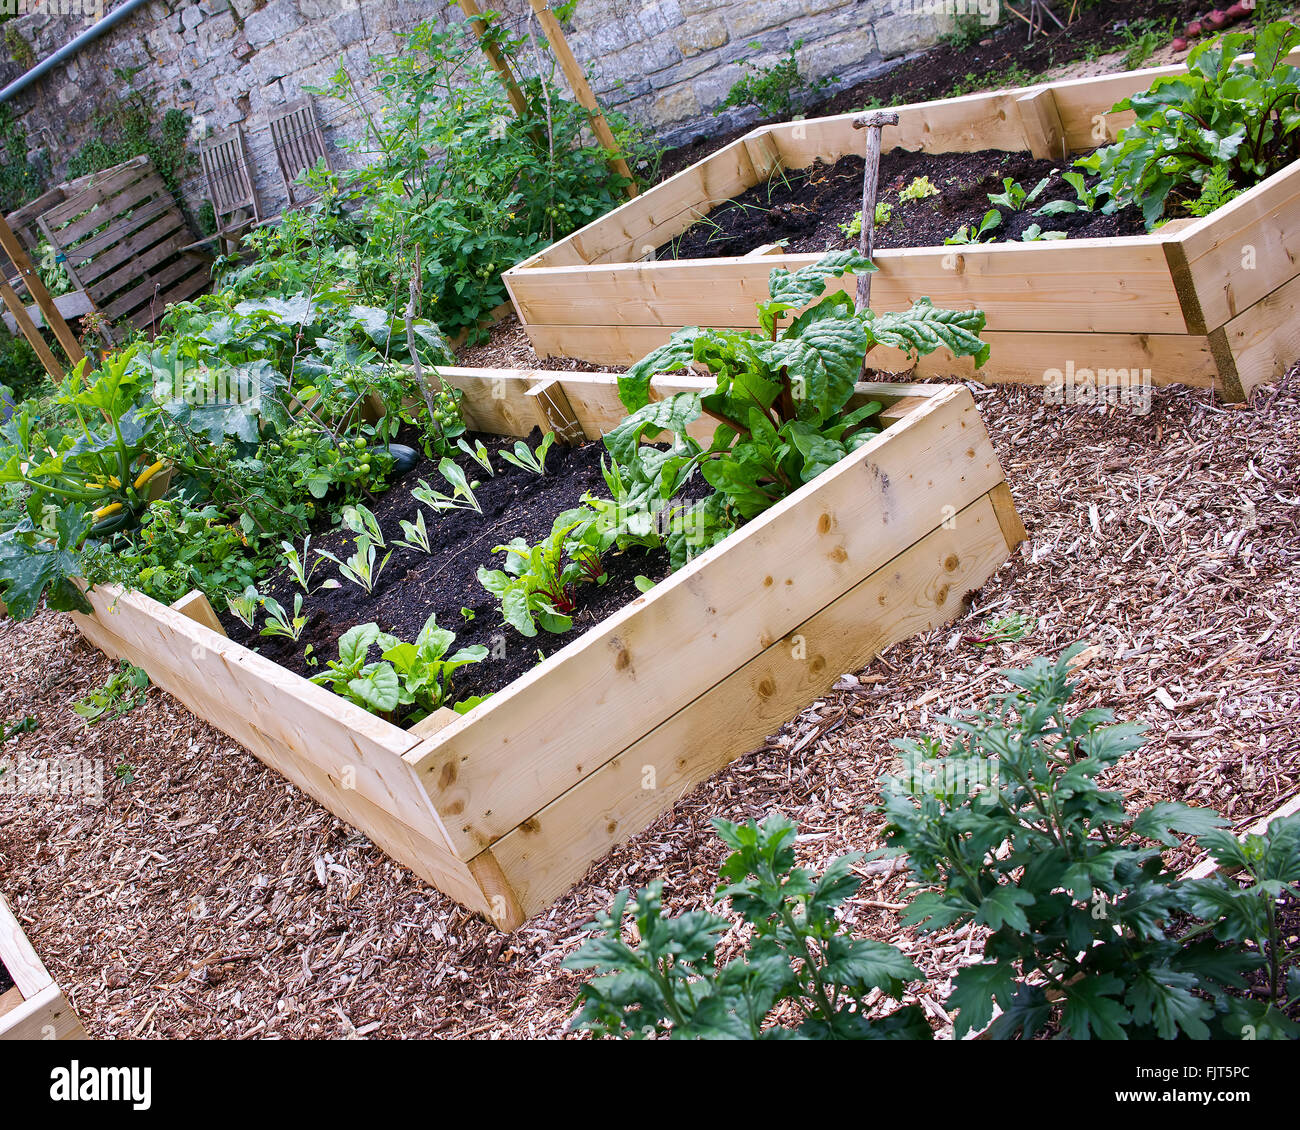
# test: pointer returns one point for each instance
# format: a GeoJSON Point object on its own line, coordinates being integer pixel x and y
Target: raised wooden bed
{"type": "Point", "coordinates": [1210, 303]}
{"type": "Point", "coordinates": [505, 807]}
{"type": "Point", "coordinates": [35, 1008]}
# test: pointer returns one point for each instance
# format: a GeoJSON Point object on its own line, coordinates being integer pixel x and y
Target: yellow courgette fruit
{"type": "Point", "coordinates": [105, 511]}
{"type": "Point", "coordinates": [148, 473]}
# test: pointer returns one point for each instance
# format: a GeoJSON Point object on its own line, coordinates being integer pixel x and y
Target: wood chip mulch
{"type": "Point", "coordinates": [508, 347]}
{"type": "Point", "coordinates": [207, 897]}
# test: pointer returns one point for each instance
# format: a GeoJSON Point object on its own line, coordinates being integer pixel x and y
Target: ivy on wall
{"type": "Point", "coordinates": [131, 127]}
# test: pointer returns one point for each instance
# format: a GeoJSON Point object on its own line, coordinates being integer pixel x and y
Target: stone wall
{"type": "Point", "coordinates": [666, 63]}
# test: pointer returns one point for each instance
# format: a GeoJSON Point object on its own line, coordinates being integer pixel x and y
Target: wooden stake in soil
{"type": "Point", "coordinates": [412, 308]}
{"type": "Point", "coordinates": [874, 123]}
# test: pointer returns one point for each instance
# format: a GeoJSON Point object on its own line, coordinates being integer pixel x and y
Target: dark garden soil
{"type": "Point", "coordinates": [516, 503]}
{"type": "Point", "coordinates": [805, 208]}
{"type": "Point", "coordinates": [1000, 58]}
{"type": "Point", "coordinates": [6, 982]}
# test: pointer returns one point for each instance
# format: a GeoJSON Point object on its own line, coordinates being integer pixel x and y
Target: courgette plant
{"type": "Point", "coordinates": [89, 480]}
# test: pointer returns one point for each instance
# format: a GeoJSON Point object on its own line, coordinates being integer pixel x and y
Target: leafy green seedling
{"type": "Point", "coordinates": [244, 606]}
{"type": "Point", "coordinates": [970, 234]}
{"type": "Point", "coordinates": [479, 453]}
{"type": "Point", "coordinates": [919, 189]}
{"type": "Point", "coordinates": [1013, 196]}
{"type": "Point", "coordinates": [1034, 234]}
{"type": "Point", "coordinates": [361, 568]}
{"type": "Point", "coordinates": [527, 460]}
{"type": "Point", "coordinates": [124, 691]}
{"type": "Point", "coordinates": [461, 497]}
{"type": "Point", "coordinates": [361, 520]}
{"type": "Point", "coordinates": [1085, 198]}
{"type": "Point", "coordinates": [279, 622]}
{"type": "Point", "coordinates": [302, 567]}
{"type": "Point", "coordinates": [1005, 629]}
{"type": "Point", "coordinates": [415, 676]}
{"type": "Point", "coordinates": [416, 534]}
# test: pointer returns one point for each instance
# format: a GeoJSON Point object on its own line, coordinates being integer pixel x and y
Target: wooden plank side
{"type": "Point", "coordinates": [310, 766]}
{"type": "Point", "coordinates": [921, 588]}
{"type": "Point", "coordinates": [46, 1016]}
{"type": "Point", "coordinates": [1120, 285]}
{"type": "Point", "coordinates": [110, 182]}
{"type": "Point", "coordinates": [524, 746]}
{"type": "Point", "coordinates": [1265, 339]}
{"type": "Point", "coordinates": [1021, 358]}
{"type": "Point", "coordinates": [81, 256]}
{"type": "Point", "coordinates": [19, 957]}
{"type": "Point", "coordinates": [231, 686]}
{"type": "Point", "coordinates": [657, 216]}
{"type": "Point", "coordinates": [113, 209]}
{"type": "Point", "coordinates": [496, 401]}
{"type": "Point", "coordinates": [950, 125]}
{"type": "Point", "coordinates": [1245, 250]}
{"type": "Point", "coordinates": [149, 292]}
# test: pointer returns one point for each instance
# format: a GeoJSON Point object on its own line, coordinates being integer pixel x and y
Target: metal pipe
{"type": "Point", "coordinates": [116, 16]}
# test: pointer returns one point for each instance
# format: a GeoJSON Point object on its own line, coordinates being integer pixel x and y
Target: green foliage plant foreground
{"type": "Point", "coordinates": [1090, 935]}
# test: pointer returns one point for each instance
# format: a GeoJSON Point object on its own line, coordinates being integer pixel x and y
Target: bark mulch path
{"type": "Point", "coordinates": [208, 897]}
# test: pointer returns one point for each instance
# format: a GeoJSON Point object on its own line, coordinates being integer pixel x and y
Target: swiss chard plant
{"type": "Point", "coordinates": [409, 681]}
{"type": "Point", "coordinates": [537, 586]}
{"type": "Point", "coordinates": [800, 975]}
{"type": "Point", "coordinates": [525, 458]}
{"type": "Point", "coordinates": [1226, 113]}
{"type": "Point", "coordinates": [1010, 829]}
{"type": "Point", "coordinates": [783, 398]}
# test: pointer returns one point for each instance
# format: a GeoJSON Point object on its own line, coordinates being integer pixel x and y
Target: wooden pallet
{"type": "Point", "coordinates": [504, 808]}
{"type": "Point", "coordinates": [1210, 303]}
{"type": "Point", "coordinates": [122, 234]}
{"type": "Point", "coordinates": [35, 1008]}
